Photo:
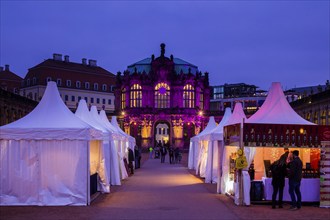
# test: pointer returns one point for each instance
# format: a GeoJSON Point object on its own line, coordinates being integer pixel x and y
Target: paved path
{"type": "Point", "coordinates": [162, 191]}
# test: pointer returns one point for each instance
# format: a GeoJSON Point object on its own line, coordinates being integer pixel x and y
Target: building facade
{"type": "Point", "coordinates": [314, 108]}
{"type": "Point", "coordinates": [75, 81]}
{"type": "Point", "coordinates": [162, 99]}
{"type": "Point", "coordinates": [9, 81]}
{"type": "Point", "coordinates": [14, 106]}
{"type": "Point", "coordinates": [228, 95]}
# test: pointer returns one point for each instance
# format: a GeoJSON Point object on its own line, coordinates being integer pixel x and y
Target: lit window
{"type": "Point", "coordinates": [201, 101]}
{"type": "Point", "coordinates": [136, 96]}
{"type": "Point", "coordinates": [188, 96]}
{"type": "Point", "coordinates": [162, 95]}
{"type": "Point", "coordinates": [123, 99]}
{"type": "Point", "coordinates": [78, 84]}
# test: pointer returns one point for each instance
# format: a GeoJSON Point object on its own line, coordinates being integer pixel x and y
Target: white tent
{"type": "Point", "coordinates": [47, 156]}
{"type": "Point", "coordinates": [198, 152]}
{"type": "Point", "coordinates": [275, 110]}
{"type": "Point", "coordinates": [83, 113]}
{"type": "Point", "coordinates": [117, 167]}
{"type": "Point", "coordinates": [226, 184]}
{"type": "Point", "coordinates": [128, 142]}
{"type": "Point", "coordinates": [213, 142]}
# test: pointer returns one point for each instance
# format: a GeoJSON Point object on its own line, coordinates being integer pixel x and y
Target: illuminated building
{"type": "Point", "coordinates": [163, 98]}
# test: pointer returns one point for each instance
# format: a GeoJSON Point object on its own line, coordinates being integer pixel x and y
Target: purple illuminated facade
{"type": "Point", "coordinates": [164, 99]}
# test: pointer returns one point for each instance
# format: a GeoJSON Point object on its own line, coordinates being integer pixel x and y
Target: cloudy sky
{"type": "Point", "coordinates": [255, 42]}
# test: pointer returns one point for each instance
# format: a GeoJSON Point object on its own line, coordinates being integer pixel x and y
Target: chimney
{"type": "Point", "coordinates": [92, 62]}
{"type": "Point", "coordinates": [57, 56]}
{"type": "Point", "coordinates": [7, 67]}
{"type": "Point", "coordinates": [66, 58]}
{"type": "Point", "coordinates": [84, 61]}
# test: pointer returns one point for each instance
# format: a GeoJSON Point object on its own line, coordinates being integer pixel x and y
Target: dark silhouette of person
{"type": "Point", "coordinates": [163, 153]}
{"type": "Point", "coordinates": [130, 160]}
{"type": "Point", "coordinates": [295, 175]}
{"type": "Point", "coordinates": [137, 158]}
{"type": "Point", "coordinates": [171, 154]}
{"type": "Point", "coordinates": [278, 171]}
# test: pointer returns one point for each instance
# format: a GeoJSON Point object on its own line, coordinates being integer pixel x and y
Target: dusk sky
{"type": "Point", "coordinates": [254, 42]}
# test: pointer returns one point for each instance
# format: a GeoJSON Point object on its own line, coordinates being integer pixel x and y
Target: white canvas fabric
{"type": "Point", "coordinates": [46, 157]}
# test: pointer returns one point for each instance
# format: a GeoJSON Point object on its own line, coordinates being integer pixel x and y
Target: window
{"type": "Point", "coordinates": [123, 98]}
{"type": "Point", "coordinates": [34, 80]}
{"type": "Point", "coordinates": [136, 96]}
{"type": "Point", "coordinates": [86, 85]}
{"type": "Point", "coordinates": [96, 86]}
{"type": "Point", "coordinates": [201, 101]}
{"type": "Point", "coordinates": [162, 95]}
{"type": "Point", "coordinates": [48, 79]}
{"type": "Point", "coordinates": [109, 101]}
{"type": "Point", "coordinates": [97, 100]}
{"type": "Point", "coordinates": [68, 83]}
{"type": "Point", "coordinates": [28, 82]}
{"type": "Point", "coordinates": [92, 100]}
{"type": "Point", "coordinates": [103, 101]}
{"type": "Point", "coordinates": [104, 87]}
{"type": "Point", "coordinates": [78, 84]}
{"type": "Point", "coordinates": [66, 98]}
{"type": "Point", "coordinates": [111, 88]}
{"type": "Point", "coordinates": [79, 97]}
{"type": "Point", "coordinates": [86, 99]}
{"type": "Point", "coordinates": [73, 98]}
{"type": "Point", "coordinates": [59, 82]}
{"type": "Point", "coordinates": [188, 96]}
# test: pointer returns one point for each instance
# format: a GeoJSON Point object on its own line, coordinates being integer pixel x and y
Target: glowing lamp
{"type": "Point", "coordinates": [200, 113]}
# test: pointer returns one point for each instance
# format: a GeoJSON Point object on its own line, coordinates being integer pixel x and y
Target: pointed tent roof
{"type": "Point", "coordinates": [210, 126]}
{"type": "Point", "coordinates": [237, 116]}
{"type": "Point", "coordinates": [115, 124]}
{"type": "Point", "coordinates": [51, 119]}
{"type": "Point", "coordinates": [83, 113]}
{"type": "Point", "coordinates": [216, 133]}
{"type": "Point", "coordinates": [105, 121]}
{"type": "Point", "coordinates": [277, 110]}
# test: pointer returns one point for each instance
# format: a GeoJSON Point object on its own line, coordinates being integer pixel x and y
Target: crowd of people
{"type": "Point", "coordinates": [289, 165]}
{"type": "Point", "coordinates": [161, 150]}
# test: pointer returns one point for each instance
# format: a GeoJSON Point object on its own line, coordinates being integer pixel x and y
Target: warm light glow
{"type": "Point", "coordinates": [188, 123]}
{"type": "Point", "coordinates": [200, 113]}
{"type": "Point", "coordinates": [301, 131]}
{"type": "Point", "coordinates": [122, 113]}
{"type": "Point", "coordinates": [134, 123]}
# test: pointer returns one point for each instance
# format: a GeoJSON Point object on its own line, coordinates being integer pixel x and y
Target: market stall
{"type": "Point", "coordinates": [49, 156]}
{"type": "Point", "coordinates": [265, 134]}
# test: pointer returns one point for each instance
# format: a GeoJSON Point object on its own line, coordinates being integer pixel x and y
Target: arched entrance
{"type": "Point", "coordinates": [162, 132]}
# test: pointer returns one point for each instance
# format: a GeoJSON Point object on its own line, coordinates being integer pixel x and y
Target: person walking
{"type": "Point", "coordinates": [295, 175]}
{"type": "Point", "coordinates": [150, 152]}
{"type": "Point", "coordinates": [130, 161]}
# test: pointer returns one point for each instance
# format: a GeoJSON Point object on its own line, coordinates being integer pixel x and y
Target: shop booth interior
{"type": "Point", "coordinates": [260, 175]}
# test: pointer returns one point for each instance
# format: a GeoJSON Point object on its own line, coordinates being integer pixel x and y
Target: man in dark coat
{"type": "Point", "coordinates": [295, 175]}
{"type": "Point", "coordinates": [278, 170]}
